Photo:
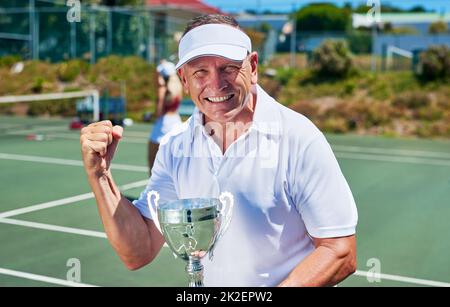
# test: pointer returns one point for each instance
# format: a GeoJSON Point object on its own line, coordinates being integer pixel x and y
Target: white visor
{"type": "Point", "coordinates": [216, 40]}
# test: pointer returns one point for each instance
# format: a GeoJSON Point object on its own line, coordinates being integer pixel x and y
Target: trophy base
{"type": "Point", "coordinates": [194, 268]}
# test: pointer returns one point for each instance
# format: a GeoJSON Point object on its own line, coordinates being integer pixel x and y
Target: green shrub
{"type": "Point", "coordinates": [349, 88]}
{"type": "Point", "coordinates": [438, 27]}
{"type": "Point", "coordinates": [332, 59]}
{"type": "Point", "coordinates": [284, 75]}
{"type": "Point", "coordinates": [38, 85]}
{"type": "Point", "coordinates": [430, 113]}
{"type": "Point", "coordinates": [69, 71]}
{"type": "Point", "coordinates": [412, 100]}
{"type": "Point", "coordinates": [424, 130]}
{"type": "Point", "coordinates": [381, 90]}
{"type": "Point", "coordinates": [335, 125]}
{"type": "Point", "coordinates": [377, 114]}
{"type": "Point", "coordinates": [9, 60]}
{"type": "Point", "coordinates": [434, 63]}
{"type": "Point", "coordinates": [63, 108]}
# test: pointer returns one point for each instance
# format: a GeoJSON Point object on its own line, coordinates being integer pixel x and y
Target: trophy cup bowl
{"type": "Point", "coordinates": [192, 227]}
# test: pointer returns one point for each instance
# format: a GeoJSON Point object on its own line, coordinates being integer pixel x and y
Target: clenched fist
{"type": "Point", "coordinates": [98, 145]}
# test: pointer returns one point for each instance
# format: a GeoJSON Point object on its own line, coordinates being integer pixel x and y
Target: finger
{"type": "Point", "coordinates": [98, 147]}
{"type": "Point", "coordinates": [99, 129]}
{"type": "Point", "coordinates": [99, 137]}
{"type": "Point", "coordinates": [107, 123]}
{"type": "Point", "coordinates": [117, 132]}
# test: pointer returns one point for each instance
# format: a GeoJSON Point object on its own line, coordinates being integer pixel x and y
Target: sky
{"type": "Point", "coordinates": [288, 5]}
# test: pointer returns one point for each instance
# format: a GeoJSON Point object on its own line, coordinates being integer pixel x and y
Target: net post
{"type": "Point", "coordinates": [96, 105]}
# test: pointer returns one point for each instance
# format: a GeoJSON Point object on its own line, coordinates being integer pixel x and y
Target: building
{"type": "Point", "coordinates": [275, 21]}
{"type": "Point", "coordinates": [418, 22]}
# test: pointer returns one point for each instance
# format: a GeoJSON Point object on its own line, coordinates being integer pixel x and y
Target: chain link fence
{"type": "Point", "coordinates": [41, 30]}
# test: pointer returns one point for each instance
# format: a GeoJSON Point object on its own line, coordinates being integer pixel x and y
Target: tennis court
{"type": "Point", "coordinates": [48, 215]}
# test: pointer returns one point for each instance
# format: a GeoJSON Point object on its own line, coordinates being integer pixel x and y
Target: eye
{"type": "Point", "coordinates": [200, 73]}
{"type": "Point", "coordinates": [231, 68]}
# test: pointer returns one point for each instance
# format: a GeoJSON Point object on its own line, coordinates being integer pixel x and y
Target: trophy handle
{"type": "Point", "coordinates": [149, 197]}
{"type": "Point", "coordinates": [153, 208]}
{"type": "Point", "coordinates": [225, 211]}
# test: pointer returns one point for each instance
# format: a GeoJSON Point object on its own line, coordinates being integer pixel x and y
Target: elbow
{"type": "Point", "coordinates": [351, 266]}
{"type": "Point", "coordinates": [345, 253]}
{"type": "Point", "coordinates": [135, 265]}
{"type": "Point", "coordinates": [350, 263]}
{"type": "Point", "coordinates": [136, 262]}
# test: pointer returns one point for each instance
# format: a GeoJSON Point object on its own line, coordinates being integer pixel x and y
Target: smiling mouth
{"type": "Point", "coordinates": [219, 98]}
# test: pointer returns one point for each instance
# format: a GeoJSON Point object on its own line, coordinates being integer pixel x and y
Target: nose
{"type": "Point", "coordinates": [217, 80]}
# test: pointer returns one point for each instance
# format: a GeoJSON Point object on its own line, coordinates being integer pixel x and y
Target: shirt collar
{"type": "Point", "coordinates": [266, 119]}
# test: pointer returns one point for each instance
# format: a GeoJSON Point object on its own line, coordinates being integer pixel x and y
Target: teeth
{"type": "Point", "coordinates": [219, 99]}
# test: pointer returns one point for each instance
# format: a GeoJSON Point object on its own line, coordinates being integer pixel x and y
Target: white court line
{"type": "Point", "coordinates": [409, 280]}
{"type": "Point", "coordinates": [126, 167]}
{"type": "Point", "coordinates": [396, 159]}
{"type": "Point", "coordinates": [342, 155]}
{"type": "Point", "coordinates": [66, 201]}
{"type": "Point", "coordinates": [387, 151]}
{"type": "Point", "coordinates": [69, 136]}
{"type": "Point", "coordinates": [55, 228]}
{"type": "Point", "coordinates": [46, 279]}
{"type": "Point", "coordinates": [9, 126]}
{"type": "Point", "coordinates": [72, 136]}
{"type": "Point", "coordinates": [37, 129]}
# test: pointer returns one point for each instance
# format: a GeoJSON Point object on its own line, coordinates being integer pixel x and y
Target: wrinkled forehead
{"type": "Point", "coordinates": [212, 61]}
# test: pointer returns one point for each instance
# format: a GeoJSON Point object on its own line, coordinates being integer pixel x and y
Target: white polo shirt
{"type": "Point", "coordinates": [286, 183]}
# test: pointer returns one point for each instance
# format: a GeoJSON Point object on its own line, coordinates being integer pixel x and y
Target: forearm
{"type": "Point", "coordinates": [160, 101]}
{"type": "Point", "coordinates": [323, 267]}
{"type": "Point", "coordinates": [124, 226]}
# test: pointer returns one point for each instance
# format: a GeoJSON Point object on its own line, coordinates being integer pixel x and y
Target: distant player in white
{"type": "Point", "coordinates": [170, 92]}
{"type": "Point", "coordinates": [294, 216]}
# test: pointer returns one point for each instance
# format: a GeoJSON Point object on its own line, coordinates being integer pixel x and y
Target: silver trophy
{"type": "Point", "coordinates": [192, 228]}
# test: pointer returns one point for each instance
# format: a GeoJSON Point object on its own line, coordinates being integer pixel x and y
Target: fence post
{"type": "Point", "coordinates": [293, 38]}
{"type": "Point", "coordinates": [92, 45]}
{"type": "Point", "coordinates": [73, 40]}
{"type": "Point", "coordinates": [109, 33]}
{"type": "Point", "coordinates": [34, 38]}
{"type": "Point", "coordinates": [151, 39]}
{"type": "Point", "coordinates": [374, 56]}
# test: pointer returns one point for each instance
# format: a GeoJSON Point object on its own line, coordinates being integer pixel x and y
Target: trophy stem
{"type": "Point", "coordinates": [195, 271]}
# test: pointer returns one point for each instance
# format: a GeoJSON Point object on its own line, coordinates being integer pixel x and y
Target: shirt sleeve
{"type": "Point", "coordinates": [321, 193]}
{"type": "Point", "coordinates": [160, 182]}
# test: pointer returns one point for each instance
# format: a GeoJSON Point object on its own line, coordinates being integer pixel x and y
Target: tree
{"type": "Point", "coordinates": [264, 27]}
{"type": "Point", "coordinates": [434, 63]}
{"type": "Point", "coordinates": [418, 9]}
{"type": "Point", "coordinates": [332, 59]}
{"type": "Point", "coordinates": [438, 27]}
{"type": "Point", "coordinates": [323, 17]}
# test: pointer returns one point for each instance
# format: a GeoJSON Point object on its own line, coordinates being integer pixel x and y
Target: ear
{"type": "Point", "coordinates": [182, 75]}
{"type": "Point", "coordinates": [254, 65]}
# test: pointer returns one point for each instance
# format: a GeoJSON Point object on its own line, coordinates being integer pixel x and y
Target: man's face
{"type": "Point", "coordinates": [220, 87]}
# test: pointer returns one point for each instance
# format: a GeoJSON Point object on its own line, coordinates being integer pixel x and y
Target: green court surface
{"type": "Point", "coordinates": [47, 216]}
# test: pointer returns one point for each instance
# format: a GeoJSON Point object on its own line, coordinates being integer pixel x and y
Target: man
{"type": "Point", "coordinates": [294, 216]}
